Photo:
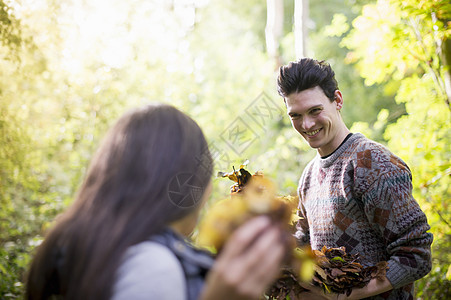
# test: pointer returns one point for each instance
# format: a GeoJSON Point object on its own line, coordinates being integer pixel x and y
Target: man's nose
{"type": "Point", "coordinates": [307, 123]}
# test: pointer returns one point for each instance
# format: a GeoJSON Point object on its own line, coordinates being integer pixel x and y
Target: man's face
{"type": "Point", "coordinates": [317, 119]}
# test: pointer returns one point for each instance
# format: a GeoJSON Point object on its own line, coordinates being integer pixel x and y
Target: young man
{"type": "Point", "coordinates": [355, 193]}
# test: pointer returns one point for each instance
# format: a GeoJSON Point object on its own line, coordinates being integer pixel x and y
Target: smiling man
{"type": "Point", "coordinates": [355, 193]}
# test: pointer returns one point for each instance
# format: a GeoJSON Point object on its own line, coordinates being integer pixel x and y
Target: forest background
{"type": "Point", "coordinates": [69, 68]}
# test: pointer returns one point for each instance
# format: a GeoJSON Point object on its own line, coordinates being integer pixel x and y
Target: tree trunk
{"type": "Point", "coordinates": [274, 28]}
{"type": "Point", "coordinates": [301, 12]}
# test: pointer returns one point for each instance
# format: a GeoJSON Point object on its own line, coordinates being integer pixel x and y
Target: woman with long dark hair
{"type": "Point", "coordinates": [124, 235]}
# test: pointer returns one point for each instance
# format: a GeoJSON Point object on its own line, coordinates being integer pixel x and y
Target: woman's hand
{"type": "Point", "coordinates": [248, 263]}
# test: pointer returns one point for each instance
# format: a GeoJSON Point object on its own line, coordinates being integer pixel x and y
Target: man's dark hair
{"type": "Point", "coordinates": [304, 74]}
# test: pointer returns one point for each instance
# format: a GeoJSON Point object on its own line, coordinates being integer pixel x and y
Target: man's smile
{"type": "Point", "coordinates": [312, 133]}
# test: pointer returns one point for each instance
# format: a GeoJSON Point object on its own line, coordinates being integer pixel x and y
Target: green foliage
{"type": "Point", "coordinates": [19, 219]}
{"type": "Point", "coordinates": [10, 34]}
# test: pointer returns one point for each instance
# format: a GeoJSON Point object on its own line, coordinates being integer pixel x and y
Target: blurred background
{"type": "Point", "coordinates": [70, 68]}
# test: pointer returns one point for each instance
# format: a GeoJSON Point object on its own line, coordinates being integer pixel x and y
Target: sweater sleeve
{"type": "Point", "coordinates": [149, 271]}
{"type": "Point", "coordinates": [391, 208]}
{"type": "Point", "coordinates": [302, 233]}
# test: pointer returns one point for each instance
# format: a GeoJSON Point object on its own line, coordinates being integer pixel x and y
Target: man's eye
{"type": "Point", "coordinates": [294, 117]}
{"type": "Point", "coordinates": [316, 110]}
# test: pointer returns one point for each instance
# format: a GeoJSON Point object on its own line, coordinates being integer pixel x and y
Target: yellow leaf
{"type": "Point", "coordinates": [307, 270]}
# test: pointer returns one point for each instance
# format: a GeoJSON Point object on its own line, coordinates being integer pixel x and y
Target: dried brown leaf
{"type": "Point", "coordinates": [337, 272]}
{"type": "Point", "coordinates": [323, 262]}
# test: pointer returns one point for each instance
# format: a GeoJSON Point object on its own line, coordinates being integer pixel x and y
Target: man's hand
{"type": "Point", "coordinates": [374, 287]}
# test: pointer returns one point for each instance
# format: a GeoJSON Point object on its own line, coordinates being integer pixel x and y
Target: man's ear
{"type": "Point", "coordinates": [338, 98]}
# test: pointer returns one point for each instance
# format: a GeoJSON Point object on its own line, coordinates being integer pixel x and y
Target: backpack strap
{"type": "Point", "coordinates": [195, 262]}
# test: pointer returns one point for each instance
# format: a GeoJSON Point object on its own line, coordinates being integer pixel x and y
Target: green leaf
{"type": "Point", "coordinates": [338, 258]}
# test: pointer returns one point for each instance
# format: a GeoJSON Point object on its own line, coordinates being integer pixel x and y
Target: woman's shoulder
{"type": "Point", "coordinates": [149, 270]}
{"type": "Point", "coordinates": [150, 251]}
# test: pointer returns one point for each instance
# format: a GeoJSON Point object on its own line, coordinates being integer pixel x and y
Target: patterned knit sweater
{"type": "Point", "coordinates": [360, 197]}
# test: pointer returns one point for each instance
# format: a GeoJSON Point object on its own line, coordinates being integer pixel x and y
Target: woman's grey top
{"type": "Point", "coordinates": [150, 271]}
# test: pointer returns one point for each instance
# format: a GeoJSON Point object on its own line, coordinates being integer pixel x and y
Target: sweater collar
{"type": "Point", "coordinates": [329, 160]}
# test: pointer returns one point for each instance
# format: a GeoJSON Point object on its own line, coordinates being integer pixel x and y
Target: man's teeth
{"type": "Point", "coordinates": [312, 132]}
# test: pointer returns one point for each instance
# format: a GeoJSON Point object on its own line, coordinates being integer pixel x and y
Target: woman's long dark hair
{"type": "Point", "coordinates": [135, 187]}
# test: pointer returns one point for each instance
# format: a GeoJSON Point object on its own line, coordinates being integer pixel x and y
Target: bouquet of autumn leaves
{"type": "Point", "coordinates": [340, 272]}
{"type": "Point", "coordinates": [253, 195]}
